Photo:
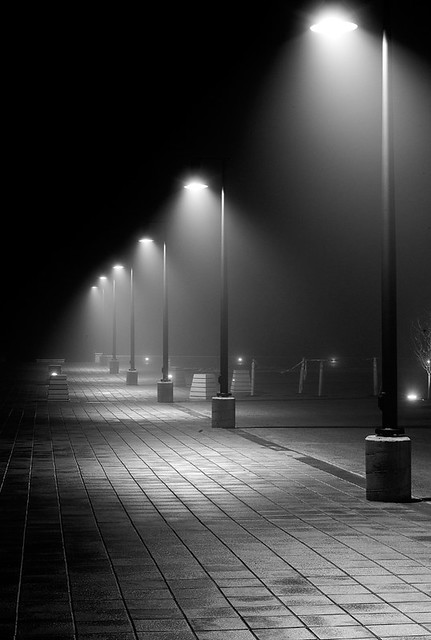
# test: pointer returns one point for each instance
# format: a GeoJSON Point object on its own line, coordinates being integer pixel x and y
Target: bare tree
{"type": "Point", "coordinates": [421, 337]}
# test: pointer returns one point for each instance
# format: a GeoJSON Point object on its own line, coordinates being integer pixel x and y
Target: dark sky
{"type": "Point", "coordinates": [108, 106]}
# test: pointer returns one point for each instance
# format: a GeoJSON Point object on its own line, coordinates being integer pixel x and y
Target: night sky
{"type": "Point", "coordinates": [109, 107]}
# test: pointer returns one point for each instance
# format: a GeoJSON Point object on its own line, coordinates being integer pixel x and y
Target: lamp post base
{"type": "Point", "coordinates": [132, 376]}
{"type": "Point", "coordinates": [223, 412]}
{"type": "Point", "coordinates": [165, 391]}
{"type": "Point", "coordinates": [114, 366]}
{"type": "Point", "coordinates": [388, 468]}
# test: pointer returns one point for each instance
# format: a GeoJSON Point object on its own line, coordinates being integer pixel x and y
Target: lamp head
{"type": "Point", "coordinates": [195, 185]}
{"type": "Point", "coordinates": [333, 24]}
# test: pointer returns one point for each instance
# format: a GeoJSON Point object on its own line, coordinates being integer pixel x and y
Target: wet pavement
{"type": "Point", "coordinates": [123, 518]}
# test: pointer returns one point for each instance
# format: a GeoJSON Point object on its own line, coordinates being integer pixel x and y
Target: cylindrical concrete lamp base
{"type": "Point", "coordinates": [388, 468]}
{"type": "Point", "coordinates": [223, 412]}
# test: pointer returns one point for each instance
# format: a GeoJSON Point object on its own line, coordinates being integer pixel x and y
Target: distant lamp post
{"type": "Point", "coordinates": [103, 280]}
{"type": "Point", "coordinates": [223, 405]}
{"type": "Point", "coordinates": [388, 452]}
{"type": "Point", "coordinates": [114, 365]}
{"type": "Point", "coordinates": [132, 373]}
{"type": "Point", "coordinates": [165, 387]}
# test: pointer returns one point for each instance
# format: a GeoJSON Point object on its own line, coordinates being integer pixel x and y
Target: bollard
{"type": "Point", "coordinates": [388, 468]}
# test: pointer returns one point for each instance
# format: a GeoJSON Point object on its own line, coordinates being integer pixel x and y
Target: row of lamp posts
{"type": "Point", "coordinates": [388, 451]}
{"type": "Point", "coordinates": [223, 405]}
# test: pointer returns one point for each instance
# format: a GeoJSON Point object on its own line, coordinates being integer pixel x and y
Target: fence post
{"type": "Point", "coordinates": [302, 375]}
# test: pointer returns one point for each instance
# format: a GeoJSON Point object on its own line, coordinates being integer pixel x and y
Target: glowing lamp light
{"type": "Point", "coordinates": [146, 240]}
{"type": "Point", "coordinates": [54, 373]}
{"type": "Point", "coordinates": [333, 26]}
{"type": "Point", "coordinates": [195, 186]}
{"type": "Point", "coordinates": [118, 266]}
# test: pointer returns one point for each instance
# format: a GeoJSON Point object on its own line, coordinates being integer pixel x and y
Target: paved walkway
{"type": "Point", "coordinates": [125, 519]}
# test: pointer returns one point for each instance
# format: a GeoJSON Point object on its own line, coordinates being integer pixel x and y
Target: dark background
{"type": "Point", "coordinates": [108, 106]}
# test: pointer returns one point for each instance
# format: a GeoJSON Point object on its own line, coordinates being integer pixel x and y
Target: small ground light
{"type": "Point", "coordinates": [412, 396]}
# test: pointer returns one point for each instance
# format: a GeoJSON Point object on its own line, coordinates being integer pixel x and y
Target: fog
{"type": "Point", "coordinates": [303, 216]}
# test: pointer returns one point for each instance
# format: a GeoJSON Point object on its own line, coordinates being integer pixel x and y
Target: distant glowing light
{"type": "Point", "coordinates": [118, 266]}
{"type": "Point", "coordinates": [240, 359]}
{"type": "Point", "coordinates": [103, 278]}
{"type": "Point", "coordinates": [54, 373]}
{"type": "Point", "coordinates": [333, 26]}
{"type": "Point", "coordinates": [146, 240]}
{"type": "Point", "coordinates": [333, 360]}
{"type": "Point", "coordinates": [94, 286]}
{"type": "Point", "coordinates": [195, 186]}
{"type": "Point", "coordinates": [412, 397]}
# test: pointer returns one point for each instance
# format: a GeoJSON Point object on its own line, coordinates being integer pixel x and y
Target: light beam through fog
{"type": "Point", "coordinates": [303, 217]}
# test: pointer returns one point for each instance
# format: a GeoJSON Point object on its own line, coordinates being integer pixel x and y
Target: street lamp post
{"type": "Point", "coordinates": [165, 386]}
{"type": "Point", "coordinates": [388, 452]}
{"type": "Point", "coordinates": [132, 373]}
{"type": "Point", "coordinates": [103, 280]}
{"type": "Point", "coordinates": [114, 365]}
{"type": "Point", "coordinates": [223, 405]}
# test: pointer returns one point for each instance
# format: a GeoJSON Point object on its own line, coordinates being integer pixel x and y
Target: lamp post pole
{"type": "Point", "coordinates": [224, 309]}
{"type": "Point", "coordinates": [114, 365]}
{"type": "Point", "coordinates": [132, 374]}
{"type": "Point", "coordinates": [388, 452]}
{"type": "Point", "coordinates": [165, 387]}
{"type": "Point", "coordinates": [388, 400]}
{"type": "Point", "coordinates": [103, 281]}
{"type": "Point", "coordinates": [223, 405]}
{"type": "Point", "coordinates": [165, 348]}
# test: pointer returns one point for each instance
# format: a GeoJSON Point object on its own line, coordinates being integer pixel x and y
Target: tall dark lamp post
{"type": "Point", "coordinates": [114, 364]}
{"type": "Point", "coordinates": [103, 280]}
{"type": "Point", "coordinates": [223, 405]}
{"type": "Point", "coordinates": [165, 386]}
{"type": "Point", "coordinates": [132, 373]}
{"type": "Point", "coordinates": [388, 452]}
